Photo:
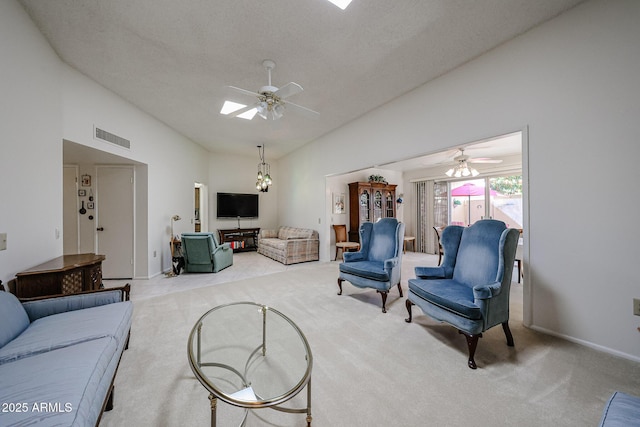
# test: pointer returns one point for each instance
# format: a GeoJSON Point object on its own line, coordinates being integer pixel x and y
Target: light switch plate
{"type": "Point", "coordinates": [636, 306]}
{"type": "Point", "coordinates": [3, 241]}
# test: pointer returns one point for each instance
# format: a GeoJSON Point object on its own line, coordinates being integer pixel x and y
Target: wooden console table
{"type": "Point", "coordinates": [67, 274]}
{"type": "Point", "coordinates": [241, 239]}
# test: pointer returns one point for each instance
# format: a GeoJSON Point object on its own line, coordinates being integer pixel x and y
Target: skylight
{"type": "Point", "coordinates": [342, 4]}
{"type": "Point", "coordinates": [229, 107]}
{"type": "Point", "coordinates": [248, 115]}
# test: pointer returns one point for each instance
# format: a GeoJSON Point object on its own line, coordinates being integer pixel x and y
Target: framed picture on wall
{"type": "Point", "coordinates": [86, 180]}
{"type": "Point", "coordinates": [338, 203]}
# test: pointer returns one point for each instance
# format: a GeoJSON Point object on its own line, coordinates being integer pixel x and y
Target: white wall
{"type": "Point", "coordinates": [45, 101]}
{"type": "Point", "coordinates": [573, 82]}
{"type": "Point", "coordinates": [230, 173]}
{"type": "Point", "coordinates": [30, 145]}
{"type": "Point", "coordinates": [173, 162]}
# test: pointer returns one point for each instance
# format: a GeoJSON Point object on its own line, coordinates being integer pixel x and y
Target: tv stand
{"type": "Point", "coordinates": [240, 239]}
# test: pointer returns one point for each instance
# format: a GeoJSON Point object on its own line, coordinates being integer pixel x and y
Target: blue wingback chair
{"type": "Point", "coordinates": [378, 263]}
{"type": "Point", "coordinates": [203, 254]}
{"type": "Point", "coordinates": [470, 290]}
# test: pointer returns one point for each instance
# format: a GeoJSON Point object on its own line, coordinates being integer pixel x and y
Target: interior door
{"type": "Point", "coordinates": [114, 220]}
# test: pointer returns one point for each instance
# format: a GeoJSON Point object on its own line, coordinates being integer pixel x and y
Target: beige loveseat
{"type": "Point", "coordinates": [289, 245]}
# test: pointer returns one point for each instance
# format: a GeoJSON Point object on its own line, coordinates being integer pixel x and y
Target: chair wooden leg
{"type": "Point", "coordinates": [400, 289]}
{"type": "Point", "coordinates": [384, 300]}
{"type": "Point", "coordinates": [472, 343]}
{"type": "Point", "coordinates": [340, 286]}
{"type": "Point", "coordinates": [507, 333]}
{"type": "Point", "coordinates": [408, 304]}
{"type": "Point", "coordinates": [109, 405]}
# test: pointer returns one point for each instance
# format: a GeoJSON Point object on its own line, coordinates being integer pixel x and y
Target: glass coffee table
{"type": "Point", "coordinates": [251, 356]}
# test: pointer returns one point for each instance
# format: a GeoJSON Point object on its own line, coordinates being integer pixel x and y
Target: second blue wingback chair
{"type": "Point", "coordinates": [470, 290]}
{"type": "Point", "coordinates": [378, 263]}
{"type": "Point", "coordinates": [203, 254]}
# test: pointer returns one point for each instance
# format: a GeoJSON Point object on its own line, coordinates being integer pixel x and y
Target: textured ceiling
{"type": "Point", "coordinates": [175, 59]}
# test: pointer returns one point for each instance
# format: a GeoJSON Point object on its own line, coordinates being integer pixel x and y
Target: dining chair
{"type": "Point", "coordinates": [342, 241]}
{"type": "Point", "coordinates": [519, 258]}
{"type": "Point", "coordinates": [438, 230]}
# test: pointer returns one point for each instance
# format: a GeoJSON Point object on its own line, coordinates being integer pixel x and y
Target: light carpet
{"type": "Point", "coordinates": [370, 368]}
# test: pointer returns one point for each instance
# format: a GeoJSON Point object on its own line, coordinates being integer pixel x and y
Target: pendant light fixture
{"type": "Point", "coordinates": [264, 172]}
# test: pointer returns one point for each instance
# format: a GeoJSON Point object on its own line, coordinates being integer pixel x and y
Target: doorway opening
{"type": "Point", "coordinates": [201, 208]}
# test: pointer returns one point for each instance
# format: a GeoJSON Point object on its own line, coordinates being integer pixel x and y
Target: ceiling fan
{"type": "Point", "coordinates": [271, 101]}
{"type": "Point", "coordinates": [462, 168]}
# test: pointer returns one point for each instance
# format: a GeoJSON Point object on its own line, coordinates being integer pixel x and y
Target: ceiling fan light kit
{"type": "Point", "coordinates": [462, 169]}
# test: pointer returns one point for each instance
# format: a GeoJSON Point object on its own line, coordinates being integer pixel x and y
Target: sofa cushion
{"type": "Point", "coordinates": [368, 269]}
{"type": "Point", "coordinates": [622, 410]}
{"type": "Point", "coordinates": [447, 294]}
{"type": "Point", "coordinates": [286, 233]}
{"type": "Point", "coordinates": [13, 318]}
{"type": "Point", "coordinates": [68, 328]}
{"type": "Point", "coordinates": [64, 387]}
{"type": "Point", "coordinates": [268, 234]}
{"type": "Point", "coordinates": [48, 306]}
{"type": "Point", "coordinates": [274, 243]}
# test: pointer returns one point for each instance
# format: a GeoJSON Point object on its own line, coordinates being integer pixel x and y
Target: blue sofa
{"type": "Point", "coordinates": [622, 410]}
{"type": "Point", "coordinates": [59, 356]}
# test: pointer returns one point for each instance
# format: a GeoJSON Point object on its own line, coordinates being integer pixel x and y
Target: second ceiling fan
{"type": "Point", "coordinates": [462, 169]}
{"type": "Point", "coordinates": [272, 101]}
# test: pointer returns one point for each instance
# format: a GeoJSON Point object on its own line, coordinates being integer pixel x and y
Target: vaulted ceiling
{"type": "Point", "coordinates": [176, 59]}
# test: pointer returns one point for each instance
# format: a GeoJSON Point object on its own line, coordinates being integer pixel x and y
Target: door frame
{"type": "Point", "coordinates": [76, 217]}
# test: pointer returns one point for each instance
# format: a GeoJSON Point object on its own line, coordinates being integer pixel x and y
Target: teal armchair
{"type": "Point", "coordinates": [470, 290]}
{"type": "Point", "coordinates": [203, 254]}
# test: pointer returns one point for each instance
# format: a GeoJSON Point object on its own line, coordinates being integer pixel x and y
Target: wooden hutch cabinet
{"type": "Point", "coordinates": [369, 202]}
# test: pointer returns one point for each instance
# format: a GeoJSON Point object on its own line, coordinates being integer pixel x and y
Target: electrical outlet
{"type": "Point", "coordinates": [636, 306]}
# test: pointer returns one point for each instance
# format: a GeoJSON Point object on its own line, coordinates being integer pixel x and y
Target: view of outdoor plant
{"type": "Point", "coordinates": [507, 185]}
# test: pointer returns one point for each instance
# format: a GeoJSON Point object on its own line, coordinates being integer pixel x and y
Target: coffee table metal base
{"type": "Point", "coordinates": [214, 406]}
{"type": "Point", "coordinates": [260, 350]}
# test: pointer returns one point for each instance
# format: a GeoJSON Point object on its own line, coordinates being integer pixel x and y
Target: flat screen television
{"type": "Point", "coordinates": [237, 205]}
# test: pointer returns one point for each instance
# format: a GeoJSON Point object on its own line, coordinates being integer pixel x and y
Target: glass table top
{"type": "Point", "coordinates": [249, 355]}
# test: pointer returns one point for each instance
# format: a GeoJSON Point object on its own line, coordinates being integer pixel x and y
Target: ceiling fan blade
{"type": "Point", "coordinates": [241, 110]}
{"type": "Point", "coordinates": [484, 160]}
{"type": "Point", "coordinates": [304, 111]}
{"type": "Point", "coordinates": [243, 91]}
{"type": "Point", "coordinates": [287, 90]}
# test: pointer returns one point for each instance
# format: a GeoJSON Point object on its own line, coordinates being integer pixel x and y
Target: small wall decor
{"type": "Point", "coordinates": [82, 193]}
{"type": "Point", "coordinates": [86, 180]}
{"type": "Point", "coordinates": [90, 205]}
{"type": "Point", "coordinates": [338, 203]}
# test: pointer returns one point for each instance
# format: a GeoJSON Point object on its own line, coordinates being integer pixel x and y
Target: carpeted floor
{"type": "Point", "coordinates": [370, 368]}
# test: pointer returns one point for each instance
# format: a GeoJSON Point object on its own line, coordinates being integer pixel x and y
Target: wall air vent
{"type": "Point", "coordinates": [103, 135]}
